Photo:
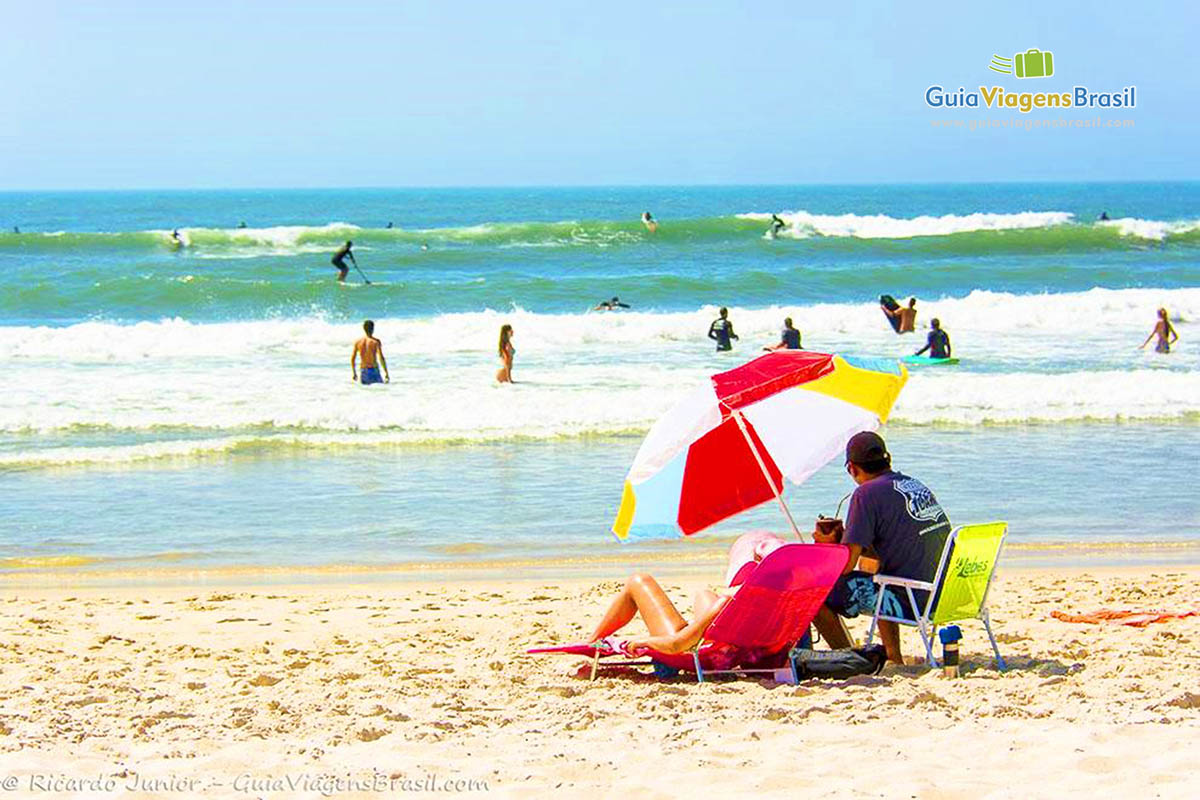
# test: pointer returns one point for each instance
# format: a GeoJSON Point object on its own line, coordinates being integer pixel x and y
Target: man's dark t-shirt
{"type": "Point", "coordinates": [790, 338]}
{"type": "Point", "coordinates": [900, 519]}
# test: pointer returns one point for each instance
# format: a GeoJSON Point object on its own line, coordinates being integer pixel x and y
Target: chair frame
{"type": "Point", "coordinates": [924, 621]}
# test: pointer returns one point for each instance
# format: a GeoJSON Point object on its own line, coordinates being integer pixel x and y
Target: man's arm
{"type": "Point", "coordinates": [948, 349]}
{"type": "Point", "coordinates": [379, 349]}
{"type": "Point", "coordinates": [928, 344]}
{"type": "Point", "coordinates": [354, 360]}
{"type": "Point", "coordinates": [712, 331]}
{"type": "Point", "coordinates": [732, 335]}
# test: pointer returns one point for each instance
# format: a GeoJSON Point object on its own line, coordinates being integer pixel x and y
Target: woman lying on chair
{"type": "Point", "coordinates": [669, 631]}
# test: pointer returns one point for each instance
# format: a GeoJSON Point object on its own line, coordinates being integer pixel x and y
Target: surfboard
{"type": "Point", "coordinates": [889, 302]}
{"type": "Point", "coordinates": [926, 361]}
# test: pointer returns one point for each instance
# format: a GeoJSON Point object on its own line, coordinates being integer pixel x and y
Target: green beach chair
{"type": "Point", "coordinates": [959, 587]}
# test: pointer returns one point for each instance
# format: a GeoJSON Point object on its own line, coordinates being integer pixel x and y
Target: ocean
{"type": "Point", "coordinates": [191, 404]}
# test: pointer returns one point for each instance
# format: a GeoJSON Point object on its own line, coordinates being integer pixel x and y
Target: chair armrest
{"type": "Point", "coordinates": [895, 580]}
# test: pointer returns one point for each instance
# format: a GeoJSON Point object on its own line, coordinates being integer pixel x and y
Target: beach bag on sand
{"type": "Point", "coordinates": [838, 664]}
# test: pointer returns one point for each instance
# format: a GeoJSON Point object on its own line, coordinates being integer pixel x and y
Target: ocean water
{"type": "Point", "coordinates": [192, 403]}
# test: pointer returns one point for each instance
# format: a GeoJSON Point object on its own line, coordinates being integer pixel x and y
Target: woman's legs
{"type": "Point", "coordinates": [641, 595]}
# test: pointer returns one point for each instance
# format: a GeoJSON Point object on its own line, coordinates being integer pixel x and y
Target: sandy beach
{"type": "Point", "coordinates": [356, 689]}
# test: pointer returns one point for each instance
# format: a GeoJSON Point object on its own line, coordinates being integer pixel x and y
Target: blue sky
{"type": "Point", "coordinates": [225, 94]}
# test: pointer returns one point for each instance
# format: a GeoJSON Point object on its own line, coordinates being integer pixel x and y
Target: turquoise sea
{"type": "Point", "coordinates": [190, 402]}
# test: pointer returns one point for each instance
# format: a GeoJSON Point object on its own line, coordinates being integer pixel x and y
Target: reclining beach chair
{"type": "Point", "coordinates": [959, 587]}
{"type": "Point", "coordinates": [757, 627]}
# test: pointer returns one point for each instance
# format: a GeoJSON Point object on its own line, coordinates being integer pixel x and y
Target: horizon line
{"type": "Point", "coordinates": [543, 186]}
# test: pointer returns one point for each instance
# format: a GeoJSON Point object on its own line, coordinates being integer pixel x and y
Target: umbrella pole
{"type": "Point", "coordinates": [741, 423]}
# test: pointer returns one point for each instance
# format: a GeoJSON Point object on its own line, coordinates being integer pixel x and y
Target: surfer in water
{"type": "Point", "coordinates": [371, 350]}
{"type": "Point", "coordinates": [610, 305]}
{"type": "Point", "coordinates": [938, 342]}
{"type": "Point", "coordinates": [1104, 216]}
{"type": "Point", "coordinates": [905, 318]}
{"type": "Point", "coordinates": [175, 238]}
{"type": "Point", "coordinates": [1165, 332]}
{"type": "Point", "coordinates": [390, 225]}
{"type": "Point", "coordinates": [16, 229]}
{"type": "Point", "coordinates": [776, 225]}
{"type": "Point", "coordinates": [649, 222]}
{"type": "Point", "coordinates": [789, 338]}
{"type": "Point", "coordinates": [242, 224]}
{"type": "Point", "coordinates": [721, 331]}
{"type": "Point", "coordinates": [339, 260]}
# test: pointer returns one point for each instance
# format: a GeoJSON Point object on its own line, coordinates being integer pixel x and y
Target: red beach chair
{"type": "Point", "coordinates": [758, 625]}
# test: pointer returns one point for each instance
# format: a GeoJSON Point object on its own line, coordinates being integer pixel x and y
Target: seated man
{"type": "Point", "coordinates": [899, 519]}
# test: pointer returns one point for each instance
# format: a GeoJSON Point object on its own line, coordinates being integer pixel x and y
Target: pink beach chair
{"type": "Point", "coordinates": [758, 626]}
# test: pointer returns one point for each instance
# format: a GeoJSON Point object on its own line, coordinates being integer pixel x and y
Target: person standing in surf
{"type": "Point", "coordinates": [339, 260]}
{"type": "Point", "coordinates": [507, 351]}
{"type": "Point", "coordinates": [721, 331]}
{"type": "Point", "coordinates": [789, 338]}
{"type": "Point", "coordinates": [649, 222]}
{"type": "Point", "coordinates": [371, 350]}
{"type": "Point", "coordinates": [938, 342]}
{"type": "Point", "coordinates": [1165, 332]}
{"type": "Point", "coordinates": [906, 318]}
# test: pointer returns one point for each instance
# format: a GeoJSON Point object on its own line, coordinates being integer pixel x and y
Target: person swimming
{"type": "Point", "coordinates": [721, 331]}
{"type": "Point", "coordinates": [1103, 216]}
{"type": "Point", "coordinates": [1165, 332]}
{"type": "Point", "coordinates": [649, 222]}
{"type": "Point", "coordinates": [390, 225]}
{"type": "Point", "coordinates": [242, 224]}
{"type": "Point", "coordinates": [610, 305]}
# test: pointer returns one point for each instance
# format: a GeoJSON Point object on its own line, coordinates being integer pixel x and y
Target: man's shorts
{"type": "Point", "coordinates": [855, 593]}
{"type": "Point", "coordinates": [369, 375]}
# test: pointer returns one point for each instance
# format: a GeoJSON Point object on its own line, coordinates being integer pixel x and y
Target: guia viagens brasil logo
{"type": "Point", "coordinates": [1029, 64]}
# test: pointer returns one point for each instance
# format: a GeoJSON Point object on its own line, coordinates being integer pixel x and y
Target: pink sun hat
{"type": "Point", "coordinates": [747, 550]}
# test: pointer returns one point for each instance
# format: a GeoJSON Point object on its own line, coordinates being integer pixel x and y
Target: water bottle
{"type": "Point", "coordinates": [950, 636]}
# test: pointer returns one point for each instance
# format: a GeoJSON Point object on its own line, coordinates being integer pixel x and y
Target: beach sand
{"type": "Point", "coordinates": [258, 691]}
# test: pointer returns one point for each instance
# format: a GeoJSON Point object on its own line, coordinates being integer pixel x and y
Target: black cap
{"type": "Point", "coordinates": [866, 448]}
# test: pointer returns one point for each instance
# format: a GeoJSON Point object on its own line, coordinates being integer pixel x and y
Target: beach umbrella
{"type": "Point", "coordinates": [728, 445]}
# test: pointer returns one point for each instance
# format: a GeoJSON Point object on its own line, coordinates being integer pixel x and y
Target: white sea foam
{"type": "Point", "coordinates": [139, 391]}
{"type": "Point", "coordinates": [1152, 229]}
{"type": "Point", "coordinates": [802, 224]}
{"type": "Point", "coordinates": [1046, 323]}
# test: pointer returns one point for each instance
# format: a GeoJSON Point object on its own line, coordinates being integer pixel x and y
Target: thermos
{"type": "Point", "coordinates": [950, 636]}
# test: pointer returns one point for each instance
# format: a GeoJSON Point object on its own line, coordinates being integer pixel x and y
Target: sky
{"type": "Point", "coordinates": [299, 94]}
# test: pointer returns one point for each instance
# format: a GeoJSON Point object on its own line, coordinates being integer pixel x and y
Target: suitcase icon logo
{"type": "Point", "coordinates": [1033, 63]}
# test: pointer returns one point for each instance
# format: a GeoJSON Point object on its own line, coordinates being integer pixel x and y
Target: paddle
{"type": "Point", "coordinates": [354, 261]}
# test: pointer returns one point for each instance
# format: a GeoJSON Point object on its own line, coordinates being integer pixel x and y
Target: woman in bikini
{"type": "Point", "coordinates": [507, 351]}
{"type": "Point", "coordinates": [1164, 331]}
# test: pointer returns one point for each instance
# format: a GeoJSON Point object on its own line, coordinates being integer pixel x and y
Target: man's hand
{"type": "Point", "coordinates": [387, 378]}
{"type": "Point", "coordinates": [354, 377]}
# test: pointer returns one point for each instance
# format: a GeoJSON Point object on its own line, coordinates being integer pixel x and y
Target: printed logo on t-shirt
{"type": "Point", "coordinates": [918, 500]}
